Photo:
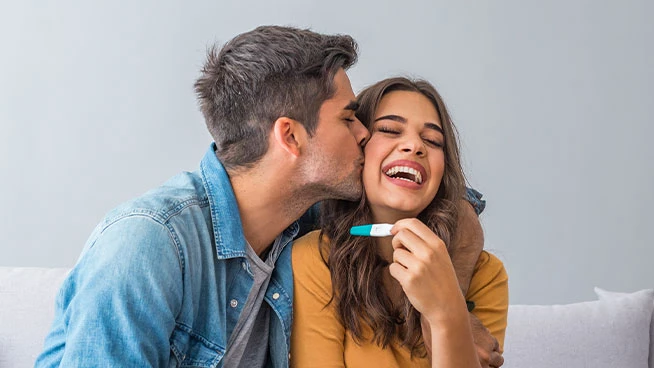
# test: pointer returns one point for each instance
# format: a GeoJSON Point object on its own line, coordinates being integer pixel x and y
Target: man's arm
{"type": "Point", "coordinates": [465, 252]}
{"type": "Point", "coordinates": [467, 244]}
{"type": "Point", "coordinates": [117, 308]}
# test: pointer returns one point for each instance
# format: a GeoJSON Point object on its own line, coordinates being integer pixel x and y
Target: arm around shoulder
{"type": "Point", "coordinates": [467, 244]}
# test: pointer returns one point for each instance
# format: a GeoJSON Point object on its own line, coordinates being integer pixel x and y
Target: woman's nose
{"type": "Point", "coordinates": [413, 145]}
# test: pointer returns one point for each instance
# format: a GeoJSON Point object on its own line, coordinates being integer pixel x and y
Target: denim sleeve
{"type": "Point", "coordinates": [474, 197]}
{"type": "Point", "coordinates": [118, 306]}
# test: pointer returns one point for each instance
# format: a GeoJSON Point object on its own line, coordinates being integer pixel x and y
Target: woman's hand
{"type": "Point", "coordinates": [423, 267]}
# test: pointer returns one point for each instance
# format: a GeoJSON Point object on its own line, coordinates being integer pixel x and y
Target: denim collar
{"type": "Point", "coordinates": [225, 217]}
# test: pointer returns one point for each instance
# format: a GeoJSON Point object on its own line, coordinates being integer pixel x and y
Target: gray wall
{"type": "Point", "coordinates": [553, 101]}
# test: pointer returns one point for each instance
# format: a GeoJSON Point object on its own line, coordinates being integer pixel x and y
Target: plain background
{"type": "Point", "coordinates": [554, 102]}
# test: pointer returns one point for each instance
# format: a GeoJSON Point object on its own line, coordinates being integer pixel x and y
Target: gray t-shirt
{"type": "Point", "coordinates": [248, 344]}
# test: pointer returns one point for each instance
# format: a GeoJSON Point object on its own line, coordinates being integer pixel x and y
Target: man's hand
{"type": "Point", "coordinates": [488, 348]}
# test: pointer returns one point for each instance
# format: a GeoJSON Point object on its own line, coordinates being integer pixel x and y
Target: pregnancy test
{"type": "Point", "coordinates": [372, 230]}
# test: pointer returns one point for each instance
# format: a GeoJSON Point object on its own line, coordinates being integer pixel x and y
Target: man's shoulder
{"type": "Point", "coordinates": [164, 202]}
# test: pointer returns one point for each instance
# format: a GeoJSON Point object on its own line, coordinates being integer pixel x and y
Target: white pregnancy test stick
{"type": "Point", "coordinates": [372, 230]}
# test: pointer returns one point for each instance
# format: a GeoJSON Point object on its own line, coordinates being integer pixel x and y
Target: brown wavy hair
{"type": "Point", "coordinates": [355, 265]}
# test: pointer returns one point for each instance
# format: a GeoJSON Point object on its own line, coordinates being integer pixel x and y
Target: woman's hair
{"type": "Point", "coordinates": [356, 267]}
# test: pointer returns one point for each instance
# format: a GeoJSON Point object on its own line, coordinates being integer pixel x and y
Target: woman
{"type": "Point", "coordinates": [368, 302]}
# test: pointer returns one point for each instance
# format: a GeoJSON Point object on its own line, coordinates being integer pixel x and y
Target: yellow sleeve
{"type": "Point", "coordinates": [317, 337]}
{"type": "Point", "coordinates": [489, 289]}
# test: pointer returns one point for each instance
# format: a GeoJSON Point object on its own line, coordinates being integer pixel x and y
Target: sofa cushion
{"type": "Point", "coordinates": [602, 333]}
{"type": "Point", "coordinates": [26, 311]}
{"type": "Point", "coordinates": [604, 295]}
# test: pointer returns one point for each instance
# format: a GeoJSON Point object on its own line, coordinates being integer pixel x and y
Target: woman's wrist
{"type": "Point", "coordinates": [455, 313]}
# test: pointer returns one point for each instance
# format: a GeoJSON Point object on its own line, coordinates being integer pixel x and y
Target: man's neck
{"type": "Point", "coordinates": [267, 205]}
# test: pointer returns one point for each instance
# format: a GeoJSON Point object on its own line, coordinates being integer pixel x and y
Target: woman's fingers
{"type": "Point", "coordinates": [399, 273]}
{"type": "Point", "coordinates": [404, 258]}
{"type": "Point", "coordinates": [427, 250]}
{"type": "Point", "coordinates": [417, 227]}
{"type": "Point", "coordinates": [405, 238]}
{"type": "Point", "coordinates": [423, 268]}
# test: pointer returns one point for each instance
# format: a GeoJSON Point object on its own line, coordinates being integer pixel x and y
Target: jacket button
{"type": "Point", "coordinates": [276, 296]}
{"type": "Point", "coordinates": [233, 303]}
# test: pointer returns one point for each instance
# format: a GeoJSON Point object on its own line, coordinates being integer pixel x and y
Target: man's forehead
{"type": "Point", "coordinates": [341, 103]}
{"type": "Point", "coordinates": [343, 98]}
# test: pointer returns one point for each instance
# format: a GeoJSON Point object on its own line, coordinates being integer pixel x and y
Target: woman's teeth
{"type": "Point", "coordinates": [405, 173]}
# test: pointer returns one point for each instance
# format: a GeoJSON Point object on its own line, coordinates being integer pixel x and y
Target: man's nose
{"type": "Point", "coordinates": [361, 133]}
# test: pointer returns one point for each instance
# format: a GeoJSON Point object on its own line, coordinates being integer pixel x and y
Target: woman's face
{"type": "Point", "coordinates": [404, 159]}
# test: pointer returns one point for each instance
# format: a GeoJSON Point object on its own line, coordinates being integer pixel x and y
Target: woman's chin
{"type": "Point", "coordinates": [395, 207]}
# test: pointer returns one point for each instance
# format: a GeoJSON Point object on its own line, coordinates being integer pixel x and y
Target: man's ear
{"type": "Point", "coordinates": [289, 135]}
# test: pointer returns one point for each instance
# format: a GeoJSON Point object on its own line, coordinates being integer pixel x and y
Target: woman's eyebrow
{"type": "Point", "coordinates": [402, 120]}
{"type": "Point", "coordinates": [434, 127]}
{"type": "Point", "coordinates": [397, 118]}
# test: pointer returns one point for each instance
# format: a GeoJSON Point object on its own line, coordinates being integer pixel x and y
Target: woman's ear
{"type": "Point", "coordinates": [289, 135]}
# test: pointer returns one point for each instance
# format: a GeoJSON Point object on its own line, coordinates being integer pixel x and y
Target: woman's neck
{"type": "Point", "coordinates": [384, 247]}
{"type": "Point", "coordinates": [385, 216]}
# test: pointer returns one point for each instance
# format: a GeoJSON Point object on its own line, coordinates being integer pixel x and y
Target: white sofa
{"type": "Point", "coordinates": [615, 331]}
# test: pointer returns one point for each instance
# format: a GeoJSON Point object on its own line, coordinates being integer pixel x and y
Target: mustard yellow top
{"type": "Point", "coordinates": [318, 339]}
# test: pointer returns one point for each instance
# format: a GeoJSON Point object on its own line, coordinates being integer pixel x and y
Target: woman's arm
{"type": "Point", "coordinates": [422, 265]}
{"type": "Point", "coordinates": [317, 337]}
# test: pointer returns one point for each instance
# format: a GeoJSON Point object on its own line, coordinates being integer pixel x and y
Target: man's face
{"type": "Point", "coordinates": [335, 155]}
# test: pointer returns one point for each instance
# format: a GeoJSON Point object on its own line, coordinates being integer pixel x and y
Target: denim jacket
{"type": "Point", "coordinates": [162, 280]}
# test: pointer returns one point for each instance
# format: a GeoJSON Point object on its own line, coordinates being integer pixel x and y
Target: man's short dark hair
{"type": "Point", "coordinates": [262, 75]}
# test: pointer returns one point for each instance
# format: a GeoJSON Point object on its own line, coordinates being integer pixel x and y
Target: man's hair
{"type": "Point", "coordinates": [356, 268]}
{"type": "Point", "coordinates": [262, 75]}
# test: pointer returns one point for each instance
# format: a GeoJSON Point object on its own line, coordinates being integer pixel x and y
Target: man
{"type": "Point", "coordinates": [197, 272]}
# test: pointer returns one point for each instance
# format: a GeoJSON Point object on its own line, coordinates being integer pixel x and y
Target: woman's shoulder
{"type": "Point", "coordinates": [488, 261]}
{"type": "Point", "coordinates": [489, 274]}
{"type": "Point", "coordinates": [310, 272]}
{"type": "Point", "coordinates": [308, 251]}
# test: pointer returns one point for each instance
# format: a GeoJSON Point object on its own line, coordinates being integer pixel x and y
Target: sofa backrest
{"type": "Point", "coordinates": [610, 332]}
{"type": "Point", "coordinates": [536, 335]}
{"type": "Point", "coordinates": [26, 311]}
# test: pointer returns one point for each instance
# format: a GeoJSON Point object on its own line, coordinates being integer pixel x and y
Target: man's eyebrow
{"type": "Point", "coordinates": [353, 105]}
{"type": "Point", "coordinates": [402, 120]}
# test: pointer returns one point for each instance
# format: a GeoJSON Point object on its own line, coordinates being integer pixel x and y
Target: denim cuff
{"type": "Point", "coordinates": [474, 197]}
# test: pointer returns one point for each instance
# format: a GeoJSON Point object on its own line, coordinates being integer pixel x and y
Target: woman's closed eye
{"type": "Point", "coordinates": [385, 129]}
{"type": "Point", "coordinates": [433, 142]}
